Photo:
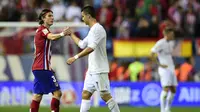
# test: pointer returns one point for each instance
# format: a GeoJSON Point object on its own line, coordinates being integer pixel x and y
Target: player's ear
{"type": "Point", "coordinates": [164, 33]}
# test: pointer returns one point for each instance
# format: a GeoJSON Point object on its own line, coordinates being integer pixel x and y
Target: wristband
{"type": "Point", "coordinates": [62, 34]}
{"type": "Point", "coordinates": [76, 57]}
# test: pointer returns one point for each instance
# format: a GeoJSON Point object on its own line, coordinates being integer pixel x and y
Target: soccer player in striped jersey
{"type": "Point", "coordinates": [45, 81]}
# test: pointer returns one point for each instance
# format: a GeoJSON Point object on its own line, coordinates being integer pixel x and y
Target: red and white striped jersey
{"type": "Point", "coordinates": [42, 55]}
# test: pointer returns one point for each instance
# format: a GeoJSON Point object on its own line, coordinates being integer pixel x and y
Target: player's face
{"type": "Point", "coordinates": [48, 19]}
{"type": "Point", "coordinates": [85, 18]}
{"type": "Point", "coordinates": [170, 35]}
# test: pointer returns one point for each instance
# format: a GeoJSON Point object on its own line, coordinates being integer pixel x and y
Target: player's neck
{"type": "Point", "coordinates": [167, 39]}
{"type": "Point", "coordinates": [46, 25]}
{"type": "Point", "coordinates": [92, 23]}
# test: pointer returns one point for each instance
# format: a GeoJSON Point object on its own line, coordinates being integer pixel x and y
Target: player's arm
{"type": "Point", "coordinates": [75, 38]}
{"type": "Point", "coordinates": [90, 47]}
{"type": "Point", "coordinates": [52, 36]}
{"type": "Point", "coordinates": [81, 43]}
{"type": "Point", "coordinates": [154, 58]}
{"type": "Point", "coordinates": [85, 52]}
{"type": "Point", "coordinates": [154, 51]}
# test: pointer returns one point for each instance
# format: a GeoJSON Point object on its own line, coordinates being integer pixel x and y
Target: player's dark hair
{"type": "Point", "coordinates": [42, 15]}
{"type": "Point", "coordinates": [168, 29]}
{"type": "Point", "coordinates": [89, 10]}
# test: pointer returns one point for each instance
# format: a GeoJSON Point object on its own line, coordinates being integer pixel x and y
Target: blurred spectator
{"type": "Point", "coordinates": [120, 4]}
{"type": "Point", "coordinates": [124, 28]}
{"type": "Point", "coordinates": [105, 15]}
{"type": "Point", "coordinates": [154, 27]}
{"type": "Point", "coordinates": [197, 77]}
{"type": "Point", "coordinates": [73, 12]}
{"type": "Point", "coordinates": [189, 21]}
{"type": "Point", "coordinates": [164, 5]}
{"type": "Point", "coordinates": [58, 9]}
{"type": "Point", "coordinates": [135, 68]}
{"type": "Point", "coordinates": [143, 28]}
{"type": "Point", "coordinates": [113, 70]}
{"type": "Point", "coordinates": [194, 4]}
{"type": "Point", "coordinates": [9, 11]}
{"type": "Point", "coordinates": [177, 70]}
{"type": "Point", "coordinates": [146, 73]}
{"type": "Point", "coordinates": [163, 24]}
{"type": "Point", "coordinates": [186, 70]}
{"type": "Point", "coordinates": [175, 13]}
{"type": "Point", "coordinates": [97, 3]}
{"type": "Point", "coordinates": [117, 22]}
{"type": "Point", "coordinates": [123, 72]}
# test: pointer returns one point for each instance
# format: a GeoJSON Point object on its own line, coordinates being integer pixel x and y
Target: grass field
{"type": "Point", "coordinates": [101, 109]}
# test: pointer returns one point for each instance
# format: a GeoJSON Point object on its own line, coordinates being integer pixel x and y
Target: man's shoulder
{"type": "Point", "coordinates": [41, 28]}
{"type": "Point", "coordinates": [161, 41]}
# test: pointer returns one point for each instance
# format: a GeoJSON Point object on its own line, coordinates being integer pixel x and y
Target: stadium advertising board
{"type": "Point", "coordinates": [125, 93]}
{"type": "Point", "coordinates": [141, 48]}
{"type": "Point", "coordinates": [18, 68]}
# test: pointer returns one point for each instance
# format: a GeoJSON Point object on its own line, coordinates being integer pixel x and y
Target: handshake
{"type": "Point", "coordinates": [66, 32]}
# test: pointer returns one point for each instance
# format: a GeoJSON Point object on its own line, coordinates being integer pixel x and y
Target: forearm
{"type": "Point", "coordinates": [54, 36]}
{"type": "Point", "coordinates": [85, 52]}
{"type": "Point", "coordinates": [75, 38]}
{"type": "Point", "coordinates": [154, 58]}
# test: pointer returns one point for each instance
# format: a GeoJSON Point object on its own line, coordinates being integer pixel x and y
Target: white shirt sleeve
{"type": "Point", "coordinates": [98, 36]}
{"type": "Point", "coordinates": [157, 47]}
{"type": "Point", "coordinates": [83, 43]}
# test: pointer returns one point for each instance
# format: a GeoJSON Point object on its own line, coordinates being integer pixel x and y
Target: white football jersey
{"type": "Point", "coordinates": [163, 49]}
{"type": "Point", "coordinates": [96, 39]}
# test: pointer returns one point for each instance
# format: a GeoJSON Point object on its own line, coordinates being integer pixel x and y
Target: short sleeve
{"type": "Point", "coordinates": [45, 32]}
{"type": "Point", "coordinates": [98, 36]}
{"type": "Point", "coordinates": [157, 47]}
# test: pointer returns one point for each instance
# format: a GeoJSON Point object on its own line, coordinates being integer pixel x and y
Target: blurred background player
{"type": "Point", "coordinates": [163, 48]}
{"type": "Point", "coordinates": [45, 81]}
{"type": "Point", "coordinates": [94, 44]}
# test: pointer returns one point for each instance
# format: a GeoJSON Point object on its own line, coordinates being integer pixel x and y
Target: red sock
{"type": "Point", "coordinates": [55, 105]}
{"type": "Point", "coordinates": [34, 107]}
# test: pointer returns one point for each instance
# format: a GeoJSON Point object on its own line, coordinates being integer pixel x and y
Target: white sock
{"type": "Point", "coordinates": [112, 105]}
{"type": "Point", "coordinates": [163, 97]}
{"type": "Point", "coordinates": [85, 106]}
{"type": "Point", "coordinates": [170, 98]}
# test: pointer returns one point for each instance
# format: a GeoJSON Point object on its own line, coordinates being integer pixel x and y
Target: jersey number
{"type": "Point", "coordinates": [54, 79]}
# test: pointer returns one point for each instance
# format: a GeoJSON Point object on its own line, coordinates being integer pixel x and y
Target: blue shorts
{"type": "Point", "coordinates": [45, 82]}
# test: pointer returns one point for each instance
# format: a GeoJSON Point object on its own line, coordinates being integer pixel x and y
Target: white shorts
{"type": "Point", "coordinates": [167, 77]}
{"type": "Point", "coordinates": [97, 82]}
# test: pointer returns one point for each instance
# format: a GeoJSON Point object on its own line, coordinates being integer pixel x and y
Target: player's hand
{"type": "Point", "coordinates": [71, 60]}
{"type": "Point", "coordinates": [67, 31]}
{"type": "Point", "coordinates": [163, 66]}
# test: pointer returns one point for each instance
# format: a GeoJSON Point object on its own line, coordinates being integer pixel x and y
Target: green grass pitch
{"type": "Point", "coordinates": [100, 109]}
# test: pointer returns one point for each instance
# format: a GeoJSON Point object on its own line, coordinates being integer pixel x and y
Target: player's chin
{"type": "Point", "coordinates": [51, 23]}
{"type": "Point", "coordinates": [86, 23]}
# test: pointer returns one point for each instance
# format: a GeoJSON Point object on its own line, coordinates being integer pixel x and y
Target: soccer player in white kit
{"type": "Point", "coordinates": [163, 48]}
{"type": "Point", "coordinates": [96, 79]}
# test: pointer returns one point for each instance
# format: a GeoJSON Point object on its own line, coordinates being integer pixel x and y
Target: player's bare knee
{"type": "Point", "coordinates": [37, 97]}
{"type": "Point", "coordinates": [173, 89]}
{"type": "Point", "coordinates": [57, 94]}
{"type": "Point", "coordinates": [167, 88]}
{"type": "Point", "coordinates": [105, 95]}
{"type": "Point", "coordinates": [86, 95]}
